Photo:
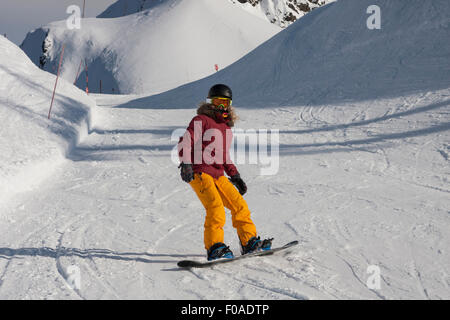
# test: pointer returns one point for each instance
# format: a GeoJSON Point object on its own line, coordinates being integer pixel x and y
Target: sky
{"type": "Point", "coordinates": [18, 17]}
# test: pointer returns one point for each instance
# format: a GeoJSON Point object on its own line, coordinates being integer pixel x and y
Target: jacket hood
{"type": "Point", "coordinates": [209, 110]}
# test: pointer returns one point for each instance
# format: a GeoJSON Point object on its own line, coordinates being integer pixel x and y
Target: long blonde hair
{"type": "Point", "coordinates": [209, 110]}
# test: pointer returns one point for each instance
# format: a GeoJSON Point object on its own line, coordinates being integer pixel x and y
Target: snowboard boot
{"type": "Point", "coordinates": [256, 244]}
{"type": "Point", "coordinates": [219, 251]}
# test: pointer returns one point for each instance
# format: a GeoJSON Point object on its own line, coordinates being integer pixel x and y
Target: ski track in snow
{"type": "Point", "coordinates": [351, 188]}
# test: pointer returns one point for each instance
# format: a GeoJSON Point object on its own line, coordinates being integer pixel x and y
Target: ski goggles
{"type": "Point", "coordinates": [220, 103]}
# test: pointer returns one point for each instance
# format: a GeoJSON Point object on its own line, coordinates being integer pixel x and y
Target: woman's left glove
{"type": "Point", "coordinates": [239, 183]}
{"type": "Point", "coordinates": [187, 172]}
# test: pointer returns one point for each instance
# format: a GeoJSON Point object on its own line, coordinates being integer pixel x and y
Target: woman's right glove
{"type": "Point", "coordinates": [187, 172]}
{"type": "Point", "coordinates": [239, 183]}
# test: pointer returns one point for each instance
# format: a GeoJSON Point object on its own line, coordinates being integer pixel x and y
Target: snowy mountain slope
{"type": "Point", "coordinates": [280, 12]}
{"type": "Point", "coordinates": [122, 8]}
{"type": "Point", "coordinates": [330, 55]}
{"type": "Point", "coordinates": [360, 184]}
{"type": "Point", "coordinates": [363, 182]}
{"type": "Point", "coordinates": [172, 43]}
{"type": "Point", "coordinates": [31, 146]}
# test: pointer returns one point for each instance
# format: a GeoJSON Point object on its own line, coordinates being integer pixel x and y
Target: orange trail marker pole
{"type": "Point", "coordinates": [87, 77]}
{"type": "Point", "coordinates": [56, 82]}
{"type": "Point", "coordinates": [78, 72]}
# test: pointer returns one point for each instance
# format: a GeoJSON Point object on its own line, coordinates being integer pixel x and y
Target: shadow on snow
{"type": "Point", "coordinates": [9, 253]}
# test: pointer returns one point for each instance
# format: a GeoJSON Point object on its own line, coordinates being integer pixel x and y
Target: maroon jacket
{"type": "Point", "coordinates": [206, 143]}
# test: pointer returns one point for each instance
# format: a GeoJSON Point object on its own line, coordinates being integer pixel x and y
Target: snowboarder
{"type": "Point", "coordinates": [205, 174]}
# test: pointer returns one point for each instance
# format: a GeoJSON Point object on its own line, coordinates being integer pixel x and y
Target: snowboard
{"type": "Point", "coordinates": [205, 264]}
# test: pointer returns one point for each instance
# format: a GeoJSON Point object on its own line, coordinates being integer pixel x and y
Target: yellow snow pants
{"type": "Point", "coordinates": [215, 195]}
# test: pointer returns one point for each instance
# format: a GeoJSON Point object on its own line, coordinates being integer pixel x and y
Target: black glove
{"type": "Point", "coordinates": [187, 172]}
{"type": "Point", "coordinates": [239, 183]}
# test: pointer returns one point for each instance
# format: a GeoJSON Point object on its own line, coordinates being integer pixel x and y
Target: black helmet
{"type": "Point", "coordinates": [220, 90]}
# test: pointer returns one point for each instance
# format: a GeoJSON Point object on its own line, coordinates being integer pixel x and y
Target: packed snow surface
{"type": "Point", "coordinates": [359, 184]}
{"type": "Point", "coordinates": [363, 177]}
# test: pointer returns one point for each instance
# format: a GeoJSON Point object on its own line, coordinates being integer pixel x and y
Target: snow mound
{"type": "Point", "coordinates": [171, 43]}
{"type": "Point", "coordinates": [31, 146]}
{"type": "Point", "coordinates": [331, 56]}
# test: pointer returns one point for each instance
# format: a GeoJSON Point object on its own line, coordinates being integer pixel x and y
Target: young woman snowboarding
{"type": "Point", "coordinates": [204, 155]}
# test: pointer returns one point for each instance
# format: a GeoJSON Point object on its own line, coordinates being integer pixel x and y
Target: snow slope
{"type": "Point", "coordinates": [331, 56]}
{"type": "Point", "coordinates": [363, 181]}
{"type": "Point", "coordinates": [122, 8]}
{"type": "Point", "coordinates": [31, 146]}
{"type": "Point", "coordinates": [359, 184]}
{"type": "Point", "coordinates": [280, 12]}
{"type": "Point", "coordinates": [171, 43]}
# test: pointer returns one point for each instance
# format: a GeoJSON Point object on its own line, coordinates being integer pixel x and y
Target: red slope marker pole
{"type": "Point", "coordinates": [78, 72]}
{"type": "Point", "coordinates": [87, 77]}
{"type": "Point", "coordinates": [56, 82]}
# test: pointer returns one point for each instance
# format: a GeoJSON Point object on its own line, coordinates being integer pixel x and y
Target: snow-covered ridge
{"type": "Point", "coordinates": [169, 44]}
{"type": "Point", "coordinates": [31, 146]}
{"type": "Point", "coordinates": [279, 12]}
{"type": "Point", "coordinates": [330, 56]}
{"type": "Point", "coordinates": [123, 8]}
